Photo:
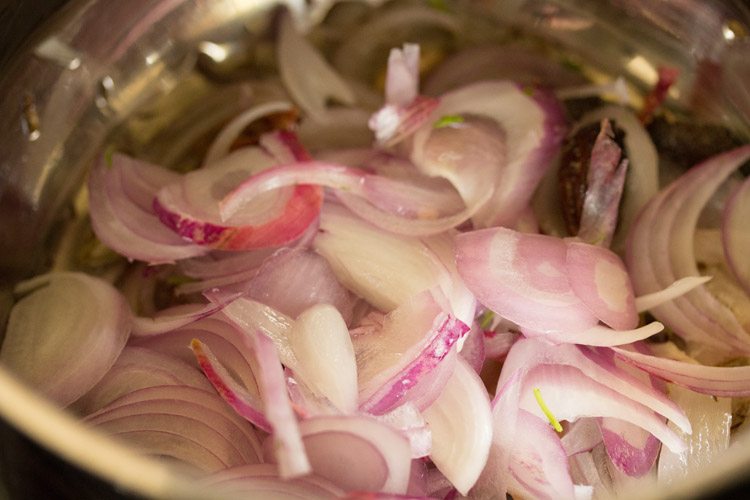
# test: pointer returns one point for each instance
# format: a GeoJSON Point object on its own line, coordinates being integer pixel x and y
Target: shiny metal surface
{"type": "Point", "coordinates": [152, 76]}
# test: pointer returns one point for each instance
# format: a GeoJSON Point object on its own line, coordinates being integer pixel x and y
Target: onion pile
{"type": "Point", "coordinates": [336, 321]}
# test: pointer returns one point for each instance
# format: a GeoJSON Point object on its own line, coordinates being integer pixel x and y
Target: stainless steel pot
{"type": "Point", "coordinates": [137, 72]}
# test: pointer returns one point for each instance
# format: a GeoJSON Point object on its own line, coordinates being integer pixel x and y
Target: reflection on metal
{"type": "Point", "coordinates": [105, 88]}
{"type": "Point", "coordinates": [30, 118]}
{"type": "Point", "coordinates": [642, 69]}
{"type": "Point", "coordinates": [53, 49]}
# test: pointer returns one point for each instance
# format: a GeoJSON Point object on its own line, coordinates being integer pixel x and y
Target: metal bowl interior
{"type": "Point", "coordinates": [146, 78]}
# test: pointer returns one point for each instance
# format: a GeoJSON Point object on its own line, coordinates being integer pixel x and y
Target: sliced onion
{"type": "Point", "coordinates": [362, 192]}
{"type": "Point", "coordinates": [410, 422]}
{"type": "Point", "coordinates": [227, 342]}
{"type": "Point", "coordinates": [66, 334]}
{"type": "Point", "coordinates": [711, 419]}
{"type": "Point", "coordinates": [581, 436]}
{"type": "Point", "coordinates": [370, 261]}
{"type": "Point", "coordinates": [731, 381]}
{"type": "Point", "coordinates": [517, 275]}
{"type": "Point", "coordinates": [495, 478]}
{"type": "Point", "coordinates": [416, 338]}
{"type": "Point", "coordinates": [138, 368]}
{"type": "Point", "coordinates": [660, 249]}
{"type": "Point", "coordinates": [735, 236]}
{"type": "Point", "coordinates": [461, 424]}
{"type": "Point", "coordinates": [298, 60]}
{"type": "Point", "coordinates": [187, 439]}
{"type": "Point", "coordinates": [320, 341]}
{"type": "Point", "coordinates": [263, 481]}
{"type": "Point", "coordinates": [599, 335]}
{"type": "Point", "coordinates": [216, 264]}
{"type": "Point", "coordinates": [676, 289]}
{"type": "Point", "coordinates": [193, 417]}
{"type": "Point", "coordinates": [197, 396]}
{"type": "Point", "coordinates": [345, 128]}
{"type": "Point", "coordinates": [599, 278]}
{"type": "Point", "coordinates": [358, 453]}
{"type": "Point", "coordinates": [221, 145]}
{"type": "Point", "coordinates": [534, 127]}
{"type": "Point", "coordinates": [172, 318]}
{"type": "Point", "coordinates": [144, 239]}
{"type": "Point", "coordinates": [292, 281]}
{"type": "Point", "coordinates": [289, 450]}
{"type": "Point", "coordinates": [539, 468]}
{"type": "Point", "coordinates": [571, 395]}
{"type": "Point", "coordinates": [251, 316]}
{"type": "Point", "coordinates": [190, 207]}
{"type": "Point", "coordinates": [402, 78]}
{"type": "Point", "coordinates": [598, 365]}
{"type": "Point", "coordinates": [245, 403]}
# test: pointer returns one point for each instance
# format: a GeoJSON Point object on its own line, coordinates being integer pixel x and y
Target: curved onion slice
{"type": "Point", "coordinates": [360, 191]}
{"type": "Point", "coordinates": [599, 278]}
{"type": "Point", "coordinates": [298, 60]}
{"type": "Point", "coordinates": [599, 335]}
{"type": "Point", "coordinates": [246, 404]}
{"type": "Point", "coordinates": [199, 406]}
{"type": "Point", "coordinates": [66, 334]}
{"type": "Point", "coordinates": [570, 395]}
{"type": "Point", "coordinates": [370, 261]}
{"type": "Point", "coordinates": [251, 316]}
{"type": "Point", "coordinates": [730, 381]}
{"type": "Point", "coordinates": [263, 481]}
{"type": "Point", "coordinates": [320, 340]}
{"type": "Point", "coordinates": [122, 224]}
{"type": "Point", "coordinates": [660, 249]}
{"type": "Point", "coordinates": [185, 438]}
{"type": "Point", "coordinates": [293, 280]}
{"type": "Point", "coordinates": [190, 206]}
{"type": "Point", "coordinates": [358, 453]}
{"type": "Point", "coordinates": [676, 289]}
{"type": "Point", "coordinates": [735, 236]}
{"type": "Point", "coordinates": [519, 275]}
{"type": "Point", "coordinates": [534, 127]}
{"type": "Point", "coordinates": [598, 365]}
{"type": "Point", "coordinates": [539, 468]}
{"type": "Point", "coordinates": [415, 340]}
{"type": "Point", "coordinates": [288, 448]}
{"type": "Point", "coordinates": [223, 141]}
{"type": "Point", "coordinates": [138, 368]}
{"type": "Point", "coordinates": [227, 342]}
{"type": "Point", "coordinates": [410, 422]}
{"type": "Point", "coordinates": [461, 424]}
{"type": "Point", "coordinates": [172, 318]}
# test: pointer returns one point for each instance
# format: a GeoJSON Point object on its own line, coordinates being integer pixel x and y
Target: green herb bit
{"type": "Point", "coordinates": [486, 319]}
{"type": "Point", "coordinates": [448, 120]}
{"type": "Point", "coordinates": [552, 420]}
{"type": "Point", "coordinates": [528, 90]}
{"type": "Point", "coordinates": [108, 154]}
{"type": "Point", "coordinates": [438, 5]}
